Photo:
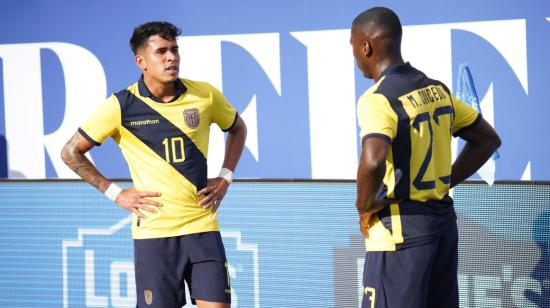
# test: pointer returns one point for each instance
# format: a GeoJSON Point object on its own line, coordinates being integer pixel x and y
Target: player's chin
{"type": "Point", "coordinates": [171, 75]}
{"type": "Point", "coordinates": [170, 79]}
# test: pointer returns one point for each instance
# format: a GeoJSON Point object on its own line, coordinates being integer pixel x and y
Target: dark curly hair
{"type": "Point", "coordinates": [142, 33]}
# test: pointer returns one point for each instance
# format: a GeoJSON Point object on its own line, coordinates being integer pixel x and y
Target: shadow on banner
{"type": "Point", "coordinates": [3, 157]}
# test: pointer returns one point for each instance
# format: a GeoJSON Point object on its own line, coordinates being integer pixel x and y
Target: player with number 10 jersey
{"type": "Point", "coordinates": [166, 147]}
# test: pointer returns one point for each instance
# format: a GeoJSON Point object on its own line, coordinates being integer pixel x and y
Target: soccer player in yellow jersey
{"type": "Point", "coordinates": [161, 124]}
{"type": "Point", "coordinates": [405, 171]}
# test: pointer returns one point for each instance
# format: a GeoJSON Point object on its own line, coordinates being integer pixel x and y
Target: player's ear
{"type": "Point", "coordinates": [367, 49]}
{"type": "Point", "coordinates": [140, 62]}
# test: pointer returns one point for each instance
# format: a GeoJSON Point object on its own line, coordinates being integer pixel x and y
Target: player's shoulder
{"type": "Point", "coordinates": [372, 96]}
{"type": "Point", "coordinates": [126, 96]}
{"type": "Point", "coordinates": [435, 82]}
{"type": "Point", "coordinates": [202, 90]}
{"type": "Point", "coordinates": [196, 85]}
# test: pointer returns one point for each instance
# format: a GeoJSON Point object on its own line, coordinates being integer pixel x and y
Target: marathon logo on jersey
{"type": "Point", "coordinates": [98, 267]}
{"type": "Point", "coordinates": [243, 269]}
{"type": "Point", "coordinates": [192, 117]}
{"type": "Point", "coordinates": [144, 122]}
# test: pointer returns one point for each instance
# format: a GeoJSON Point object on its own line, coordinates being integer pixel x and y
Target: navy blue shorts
{"type": "Point", "coordinates": [163, 264]}
{"type": "Point", "coordinates": [415, 277]}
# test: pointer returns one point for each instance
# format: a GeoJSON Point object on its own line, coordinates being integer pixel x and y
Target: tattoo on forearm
{"type": "Point", "coordinates": [81, 165]}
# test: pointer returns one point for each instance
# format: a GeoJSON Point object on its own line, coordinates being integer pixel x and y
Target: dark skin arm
{"type": "Point", "coordinates": [215, 190]}
{"type": "Point", "coordinates": [370, 173]}
{"type": "Point", "coordinates": [481, 142]}
{"type": "Point", "coordinates": [130, 199]}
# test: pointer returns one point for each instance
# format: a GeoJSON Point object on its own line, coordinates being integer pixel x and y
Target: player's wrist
{"type": "Point", "coordinates": [112, 191]}
{"type": "Point", "coordinates": [226, 174]}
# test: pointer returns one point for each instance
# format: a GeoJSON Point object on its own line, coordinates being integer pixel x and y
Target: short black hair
{"type": "Point", "coordinates": [143, 32]}
{"type": "Point", "coordinates": [382, 18]}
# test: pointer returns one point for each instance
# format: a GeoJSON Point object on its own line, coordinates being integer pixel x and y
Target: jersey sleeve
{"type": "Point", "coordinates": [464, 116]}
{"type": "Point", "coordinates": [223, 114]}
{"type": "Point", "coordinates": [103, 123]}
{"type": "Point", "coordinates": [376, 117]}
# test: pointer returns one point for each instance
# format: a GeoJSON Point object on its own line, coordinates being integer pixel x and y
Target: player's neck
{"type": "Point", "coordinates": [164, 91]}
{"type": "Point", "coordinates": [383, 64]}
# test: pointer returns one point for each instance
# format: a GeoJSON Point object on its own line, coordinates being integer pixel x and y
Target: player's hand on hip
{"type": "Point", "coordinates": [213, 193]}
{"type": "Point", "coordinates": [137, 201]}
{"type": "Point", "coordinates": [366, 217]}
{"type": "Point", "coordinates": [364, 223]}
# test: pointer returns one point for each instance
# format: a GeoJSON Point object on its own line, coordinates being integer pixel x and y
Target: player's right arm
{"type": "Point", "coordinates": [129, 199]}
{"type": "Point", "coordinates": [73, 156]}
{"type": "Point", "coordinates": [102, 124]}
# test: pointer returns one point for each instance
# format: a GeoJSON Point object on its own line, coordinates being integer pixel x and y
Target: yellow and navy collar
{"type": "Point", "coordinates": [144, 91]}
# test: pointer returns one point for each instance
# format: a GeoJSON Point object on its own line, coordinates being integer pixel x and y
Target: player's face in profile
{"type": "Point", "coordinates": [357, 42]}
{"type": "Point", "coordinates": [161, 59]}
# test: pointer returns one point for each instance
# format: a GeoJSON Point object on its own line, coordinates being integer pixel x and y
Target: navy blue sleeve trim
{"type": "Point", "coordinates": [374, 135]}
{"type": "Point", "coordinates": [92, 141]}
{"type": "Point", "coordinates": [460, 131]}
{"type": "Point", "coordinates": [233, 124]}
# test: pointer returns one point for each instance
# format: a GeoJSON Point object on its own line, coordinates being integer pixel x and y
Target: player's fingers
{"type": "Point", "coordinates": [213, 203]}
{"type": "Point", "coordinates": [365, 228]}
{"type": "Point", "coordinates": [210, 197]}
{"type": "Point", "coordinates": [150, 202]}
{"type": "Point", "coordinates": [364, 222]}
{"type": "Point", "coordinates": [365, 231]}
{"type": "Point", "coordinates": [204, 191]}
{"type": "Point", "coordinates": [216, 205]}
{"type": "Point", "coordinates": [138, 213]}
{"type": "Point", "coordinates": [206, 201]}
{"type": "Point", "coordinates": [146, 208]}
{"type": "Point", "coordinates": [148, 194]}
{"type": "Point", "coordinates": [208, 205]}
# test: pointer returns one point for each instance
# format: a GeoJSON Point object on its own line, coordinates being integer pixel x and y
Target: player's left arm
{"type": "Point", "coordinates": [481, 142]}
{"type": "Point", "coordinates": [216, 188]}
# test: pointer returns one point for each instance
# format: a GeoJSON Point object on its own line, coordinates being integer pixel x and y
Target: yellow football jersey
{"type": "Point", "coordinates": [166, 148]}
{"type": "Point", "coordinates": [418, 117]}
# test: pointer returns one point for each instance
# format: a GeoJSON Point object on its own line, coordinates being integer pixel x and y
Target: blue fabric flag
{"type": "Point", "coordinates": [466, 92]}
